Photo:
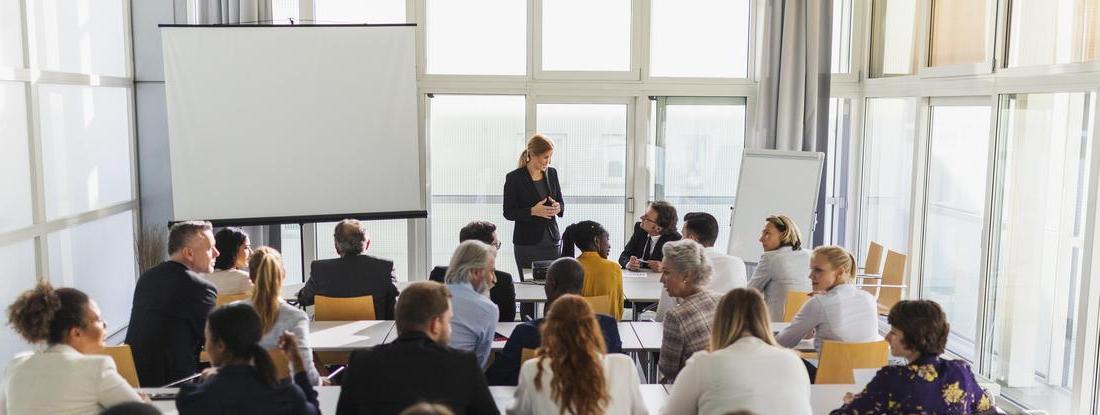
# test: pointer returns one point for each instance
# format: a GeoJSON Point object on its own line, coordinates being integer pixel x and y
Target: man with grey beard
{"type": "Point", "coordinates": [469, 277]}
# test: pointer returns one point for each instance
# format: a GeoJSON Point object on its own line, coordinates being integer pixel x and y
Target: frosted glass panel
{"type": "Point", "coordinates": [359, 11]}
{"type": "Point", "coordinates": [959, 32]}
{"type": "Point", "coordinates": [1053, 32]}
{"type": "Point", "coordinates": [581, 35]}
{"type": "Point", "coordinates": [83, 36]}
{"type": "Point", "coordinates": [11, 34]}
{"type": "Point", "coordinates": [389, 239]}
{"type": "Point", "coordinates": [98, 258]}
{"type": "Point", "coordinates": [890, 132]}
{"type": "Point", "coordinates": [477, 37]}
{"type": "Point", "coordinates": [15, 174]}
{"type": "Point", "coordinates": [85, 148]}
{"type": "Point", "coordinates": [699, 38]}
{"type": "Point", "coordinates": [893, 38]}
{"type": "Point", "coordinates": [17, 270]}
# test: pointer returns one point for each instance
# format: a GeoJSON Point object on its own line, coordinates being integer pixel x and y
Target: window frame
{"type": "Point", "coordinates": [638, 18]}
{"type": "Point", "coordinates": [756, 16]}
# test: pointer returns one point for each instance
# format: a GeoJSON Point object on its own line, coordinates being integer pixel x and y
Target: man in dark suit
{"type": "Point", "coordinates": [565, 276]}
{"type": "Point", "coordinates": [417, 367]}
{"type": "Point", "coordinates": [353, 274]}
{"type": "Point", "coordinates": [657, 226]}
{"type": "Point", "coordinates": [171, 301]}
{"type": "Point", "coordinates": [503, 292]}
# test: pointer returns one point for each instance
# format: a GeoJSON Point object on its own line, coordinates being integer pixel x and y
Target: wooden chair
{"type": "Point", "coordinates": [893, 273]}
{"type": "Point", "coordinates": [124, 361]}
{"type": "Point", "coordinates": [528, 354]}
{"type": "Point", "coordinates": [872, 264]}
{"type": "Point", "coordinates": [281, 363]}
{"type": "Point", "coordinates": [795, 301]}
{"type": "Point", "coordinates": [229, 298]}
{"type": "Point", "coordinates": [600, 304]}
{"type": "Point", "coordinates": [343, 309]}
{"type": "Point", "coordinates": [839, 358]}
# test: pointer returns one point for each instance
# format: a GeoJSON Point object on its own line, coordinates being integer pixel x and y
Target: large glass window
{"type": "Point", "coordinates": [960, 32]}
{"type": "Point", "coordinates": [485, 129]}
{"type": "Point", "coordinates": [82, 36]}
{"type": "Point", "coordinates": [889, 133]}
{"type": "Point", "coordinates": [590, 156]}
{"type": "Point", "coordinates": [389, 239]}
{"type": "Point", "coordinates": [893, 38]}
{"type": "Point", "coordinates": [835, 222]}
{"type": "Point", "coordinates": [1039, 249]}
{"type": "Point", "coordinates": [11, 34]}
{"type": "Point", "coordinates": [954, 216]}
{"type": "Point", "coordinates": [1053, 32]}
{"type": "Point", "coordinates": [842, 36]}
{"type": "Point", "coordinates": [720, 27]}
{"type": "Point", "coordinates": [359, 11]}
{"type": "Point", "coordinates": [15, 172]}
{"type": "Point", "coordinates": [581, 35]}
{"type": "Point", "coordinates": [701, 141]}
{"type": "Point", "coordinates": [476, 37]}
{"type": "Point", "coordinates": [98, 258]}
{"type": "Point", "coordinates": [18, 270]}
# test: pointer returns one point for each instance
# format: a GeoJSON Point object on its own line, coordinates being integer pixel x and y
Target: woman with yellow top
{"type": "Point", "coordinates": [601, 275]}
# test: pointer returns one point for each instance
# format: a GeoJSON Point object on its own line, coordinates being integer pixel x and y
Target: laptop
{"type": "Point", "coordinates": [538, 270]}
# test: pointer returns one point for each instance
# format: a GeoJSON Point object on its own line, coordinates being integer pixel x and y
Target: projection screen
{"type": "Point", "coordinates": [271, 124]}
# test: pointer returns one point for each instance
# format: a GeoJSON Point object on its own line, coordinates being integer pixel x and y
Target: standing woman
{"type": "Point", "coordinates": [783, 265]}
{"type": "Point", "coordinates": [532, 198]}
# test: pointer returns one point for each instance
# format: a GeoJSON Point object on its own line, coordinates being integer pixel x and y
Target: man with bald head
{"type": "Point", "coordinates": [171, 301]}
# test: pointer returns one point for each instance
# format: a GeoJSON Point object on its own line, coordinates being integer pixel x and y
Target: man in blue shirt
{"type": "Point", "coordinates": [469, 277]}
{"type": "Point", "coordinates": [565, 276]}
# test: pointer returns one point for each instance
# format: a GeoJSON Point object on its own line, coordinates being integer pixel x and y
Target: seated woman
{"type": "Point", "coordinates": [234, 249]}
{"type": "Point", "coordinates": [783, 265]}
{"type": "Point", "coordinates": [572, 374]}
{"type": "Point", "coordinates": [685, 273]}
{"type": "Point", "coordinates": [242, 379]}
{"type": "Point", "coordinates": [714, 382]}
{"type": "Point", "coordinates": [276, 316]}
{"type": "Point", "coordinates": [927, 384]}
{"type": "Point", "coordinates": [601, 275]}
{"type": "Point", "coordinates": [70, 325]}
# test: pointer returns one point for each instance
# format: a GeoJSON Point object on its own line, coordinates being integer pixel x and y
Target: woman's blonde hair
{"type": "Point", "coordinates": [536, 145]}
{"type": "Point", "coordinates": [788, 231]}
{"type": "Point", "coordinates": [265, 269]}
{"type": "Point", "coordinates": [838, 258]}
{"type": "Point", "coordinates": [574, 346]}
{"type": "Point", "coordinates": [741, 312]}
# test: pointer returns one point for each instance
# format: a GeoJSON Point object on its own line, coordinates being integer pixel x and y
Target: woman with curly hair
{"type": "Point", "coordinates": [573, 373]}
{"type": "Point", "coordinates": [69, 323]}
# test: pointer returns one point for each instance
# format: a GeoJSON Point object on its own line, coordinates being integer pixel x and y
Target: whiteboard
{"type": "Point", "coordinates": [285, 123]}
{"type": "Point", "coordinates": [774, 182]}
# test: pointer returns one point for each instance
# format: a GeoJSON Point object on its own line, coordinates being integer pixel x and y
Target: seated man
{"type": "Point", "coordinates": [170, 305]}
{"type": "Point", "coordinates": [657, 226]}
{"type": "Point", "coordinates": [417, 367]}
{"type": "Point", "coordinates": [728, 270]}
{"type": "Point", "coordinates": [469, 277]}
{"type": "Point", "coordinates": [565, 276]}
{"type": "Point", "coordinates": [353, 274]}
{"type": "Point", "coordinates": [503, 292]}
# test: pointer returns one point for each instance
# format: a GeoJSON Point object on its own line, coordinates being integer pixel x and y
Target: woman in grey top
{"type": "Point", "coordinates": [783, 266]}
{"type": "Point", "coordinates": [276, 316]}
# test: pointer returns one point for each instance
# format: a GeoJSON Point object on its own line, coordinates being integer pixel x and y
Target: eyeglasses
{"type": "Point", "coordinates": [496, 244]}
{"type": "Point", "coordinates": [645, 219]}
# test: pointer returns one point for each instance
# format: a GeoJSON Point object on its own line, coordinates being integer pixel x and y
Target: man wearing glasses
{"type": "Point", "coordinates": [657, 226]}
{"type": "Point", "coordinates": [502, 292]}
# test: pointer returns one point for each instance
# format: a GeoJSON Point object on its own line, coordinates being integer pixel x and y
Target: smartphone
{"type": "Point", "coordinates": [497, 337]}
{"type": "Point", "coordinates": [164, 396]}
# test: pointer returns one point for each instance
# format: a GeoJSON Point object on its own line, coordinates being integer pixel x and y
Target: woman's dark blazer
{"type": "Point", "coordinates": [519, 195]}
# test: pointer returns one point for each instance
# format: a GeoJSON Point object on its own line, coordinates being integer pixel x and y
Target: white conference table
{"type": "Point", "coordinates": [635, 291]}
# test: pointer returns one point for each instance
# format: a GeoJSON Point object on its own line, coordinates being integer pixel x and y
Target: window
{"type": "Point", "coordinates": [1040, 245]}
{"type": "Point", "coordinates": [842, 36]}
{"type": "Point", "coordinates": [960, 32]}
{"type": "Point", "coordinates": [389, 239]}
{"type": "Point", "coordinates": [836, 172]}
{"type": "Point", "coordinates": [290, 240]}
{"type": "Point", "coordinates": [15, 171]}
{"type": "Point", "coordinates": [11, 35]}
{"type": "Point", "coordinates": [1053, 32]}
{"type": "Point", "coordinates": [18, 270]}
{"type": "Point", "coordinates": [954, 216]}
{"type": "Point", "coordinates": [359, 11]}
{"type": "Point", "coordinates": [462, 128]}
{"type": "Point", "coordinates": [888, 147]}
{"type": "Point", "coordinates": [701, 140]}
{"type": "Point", "coordinates": [893, 38]}
{"type": "Point", "coordinates": [85, 147]}
{"type": "Point", "coordinates": [581, 35]}
{"type": "Point", "coordinates": [719, 27]}
{"type": "Point", "coordinates": [83, 36]}
{"type": "Point", "coordinates": [284, 10]}
{"type": "Point", "coordinates": [590, 156]}
{"type": "Point", "coordinates": [476, 37]}
{"type": "Point", "coordinates": [98, 258]}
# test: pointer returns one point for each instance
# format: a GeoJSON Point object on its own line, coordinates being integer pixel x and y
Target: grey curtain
{"type": "Point", "coordinates": [229, 11]}
{"type": "Point", "coordinates": [793, 110]}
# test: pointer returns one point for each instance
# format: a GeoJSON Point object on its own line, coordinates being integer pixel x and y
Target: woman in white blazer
{"type": "Point", "coordinates": [783, 265]}
{"type": "Point", "coordinates": [743, 369]}
{"type": "Point", "coordinates": [574, 373]}
{"type": "Point", "coordinates": [66, 377]}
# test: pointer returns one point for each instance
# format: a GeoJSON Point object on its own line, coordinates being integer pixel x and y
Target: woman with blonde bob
{"type": "Point", "coordinates": [743, 369]}
{"type": "Point", "coordinates": [573, 373]}
{"type": "Point", "coordinates": [276, 316]}
{"type": "Point", "coordinates": [838, 310]}
{"type": "Point", "coordinates": [782, 265]}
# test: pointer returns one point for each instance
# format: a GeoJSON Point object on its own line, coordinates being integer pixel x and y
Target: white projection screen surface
{"type": "Point", "coordinates": [278, 123]}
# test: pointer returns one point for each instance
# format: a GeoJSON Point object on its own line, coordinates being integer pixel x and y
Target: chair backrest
{"type": "Point", "coordinates": [600, 304]}
{"type": "Point", "coordinates": [839, 358]}
{"type": "Point", "coordinates": [873, 263]}
{"type": "Point", "coordinates": [893, 273]}
{"type": "Point", "coordinates": [229, 298]}
{"type": "Point", "coordinates": [124, 361]}
{"type": "Point", "coordinates": [343, 309]}
{"type": "Point", "coordinates": [528, 354]}
{"type": "Point", "coordinates": [282, 365]}
{"type": "Point", "coordinates": [795, 300]}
